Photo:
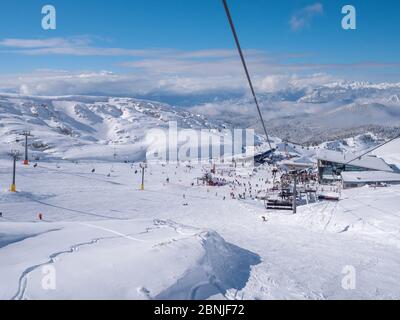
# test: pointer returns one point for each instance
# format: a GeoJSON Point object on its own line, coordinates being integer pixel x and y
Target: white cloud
{"type": "Point", "coordinates": [303, 17]}
{"type": "Point", "coordinates": [47, 82]}
{"type": "Point", "coordinates": [107, 83]}
{"type": "Point", "coordinates": [74, 46]}
{"type": "Point", "coordinates": [274, 83]}
{"type": "Point", "coordinates": [35, 43]}
{"type": "Point", "coordinates": [167, 71]}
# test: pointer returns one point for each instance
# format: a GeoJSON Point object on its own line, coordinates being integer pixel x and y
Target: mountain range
{"type": "Point", "coordinates": [106, 128]}
{"type": "Point", "coordinates": [314, 114]}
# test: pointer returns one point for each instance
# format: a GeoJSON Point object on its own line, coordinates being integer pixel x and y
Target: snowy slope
{"type": "Point", "coordinates": [105, 128]}
{"type": "Point", "coordinates": [76, 127]}
{"type": "Point", "coordinates": [390, 152]}
{"type": "Point", "coordinates": [358, 143]}
{"type": "Point", "coordinates": [107, 239]}
{"type": "Point", "coordinates": [185, 252]}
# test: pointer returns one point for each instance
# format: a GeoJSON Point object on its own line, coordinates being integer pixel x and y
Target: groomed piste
{"type": "Point", "coordinates": [107, 239]}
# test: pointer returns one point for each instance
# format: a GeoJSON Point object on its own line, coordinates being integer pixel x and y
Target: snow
{"type": "Point", "coordinates": [108, 240]}
{"type": "Point", "coordinates": [370, 176]}
{"type": "Point", "coordinates": [390, 152]}
{"type": "Point", "coordinates": [90, 128]}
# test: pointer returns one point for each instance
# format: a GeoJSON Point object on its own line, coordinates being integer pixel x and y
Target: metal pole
{"type": "Point", "coordinates": [26, 134]}
{"type": "Point", "coordinates": [142, 186]}
{"type": "Point", "coordinates": [295, 194]}
{"type": "Point", "coordinates": [14, 170]}
{"type": "Point", "coordinates": [26, 150]}
{"type": "Point", "coordinates": [13, 185]}
{"type": "Point", "coordinates": [15, 155]}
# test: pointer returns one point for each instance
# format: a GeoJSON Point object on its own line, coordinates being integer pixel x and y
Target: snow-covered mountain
{"type": "Point", "coordinates": [110, 128]}
{"type": "Point", "coordinates": [76, 127]}
{"type": "Point", "coordinates": [313, 114]}
{"type": "Point", "coordinates": [350, 91]}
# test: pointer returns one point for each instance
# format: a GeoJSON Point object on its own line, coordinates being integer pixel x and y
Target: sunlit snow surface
{"type": "Point", "coordinates": [108, 240]}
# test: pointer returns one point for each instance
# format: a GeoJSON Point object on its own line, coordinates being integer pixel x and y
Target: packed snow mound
{"type": "Point", "coordinates": [79, 127]}
{"type": "Point", "coordinates": [224, 269]}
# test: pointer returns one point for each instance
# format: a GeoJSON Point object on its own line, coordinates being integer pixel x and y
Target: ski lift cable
{"type": "Point", "coordinates": [373, 149]}
{"type": "Point", "coordinates": [232, 25]}
{"type": "Point", "coordinates": [293, 143]}
{"type": "Point", "coordinates": [253, 125]}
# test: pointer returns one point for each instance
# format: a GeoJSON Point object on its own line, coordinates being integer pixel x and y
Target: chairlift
{"type": "Point", "coordinates": [329, 192]}
{"type": "Point", "coordinates": [275, 204]}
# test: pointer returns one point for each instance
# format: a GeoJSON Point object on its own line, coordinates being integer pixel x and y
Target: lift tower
{"type": "Point", "coordinates": [143, 166]}
{"type": "Point", "coordinates": [15, 155]}
{"type": "Point", "coordinates": [26, 134]}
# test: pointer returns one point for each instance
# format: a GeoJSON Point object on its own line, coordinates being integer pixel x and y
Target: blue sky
{"type": "Point", "coordinates": [180, 45]}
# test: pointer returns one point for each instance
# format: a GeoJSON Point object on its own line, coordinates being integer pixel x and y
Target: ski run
{"type": "Point", "coordinates": [101, 237]}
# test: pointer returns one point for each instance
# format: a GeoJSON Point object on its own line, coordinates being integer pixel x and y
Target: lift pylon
{"type": "Point", "coordinates": [26, 134]}
{"type": "Point", "coordinates": [15, 155]}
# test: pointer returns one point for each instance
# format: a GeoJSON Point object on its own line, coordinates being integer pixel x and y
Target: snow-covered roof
{"type": "Point", "coordinates": [287, 147]}
{"type": "Point", "coordinates": [305, 160]}
{"type": "Point", "coordinates": [390, 152]}
{"type": "Point", "coordinates": [370, 176]}
{"type": "Point", "coordinates": [367, 162]}
{"type": "Point", "coordinates": [301, 162]}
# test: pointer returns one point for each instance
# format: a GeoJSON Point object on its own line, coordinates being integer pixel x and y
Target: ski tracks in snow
{"type": "Point", "coordinates": [53, 258]}
{"type": "Point", "coordinates": [23, 280]}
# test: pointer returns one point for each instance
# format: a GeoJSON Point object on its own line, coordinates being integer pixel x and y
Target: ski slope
{"type": "Point", "coordinates": [106, 239]}
{"type": "Point", "coordinates": [89, 128]}
{"type": "Point", "coordinates": [390, 152]}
